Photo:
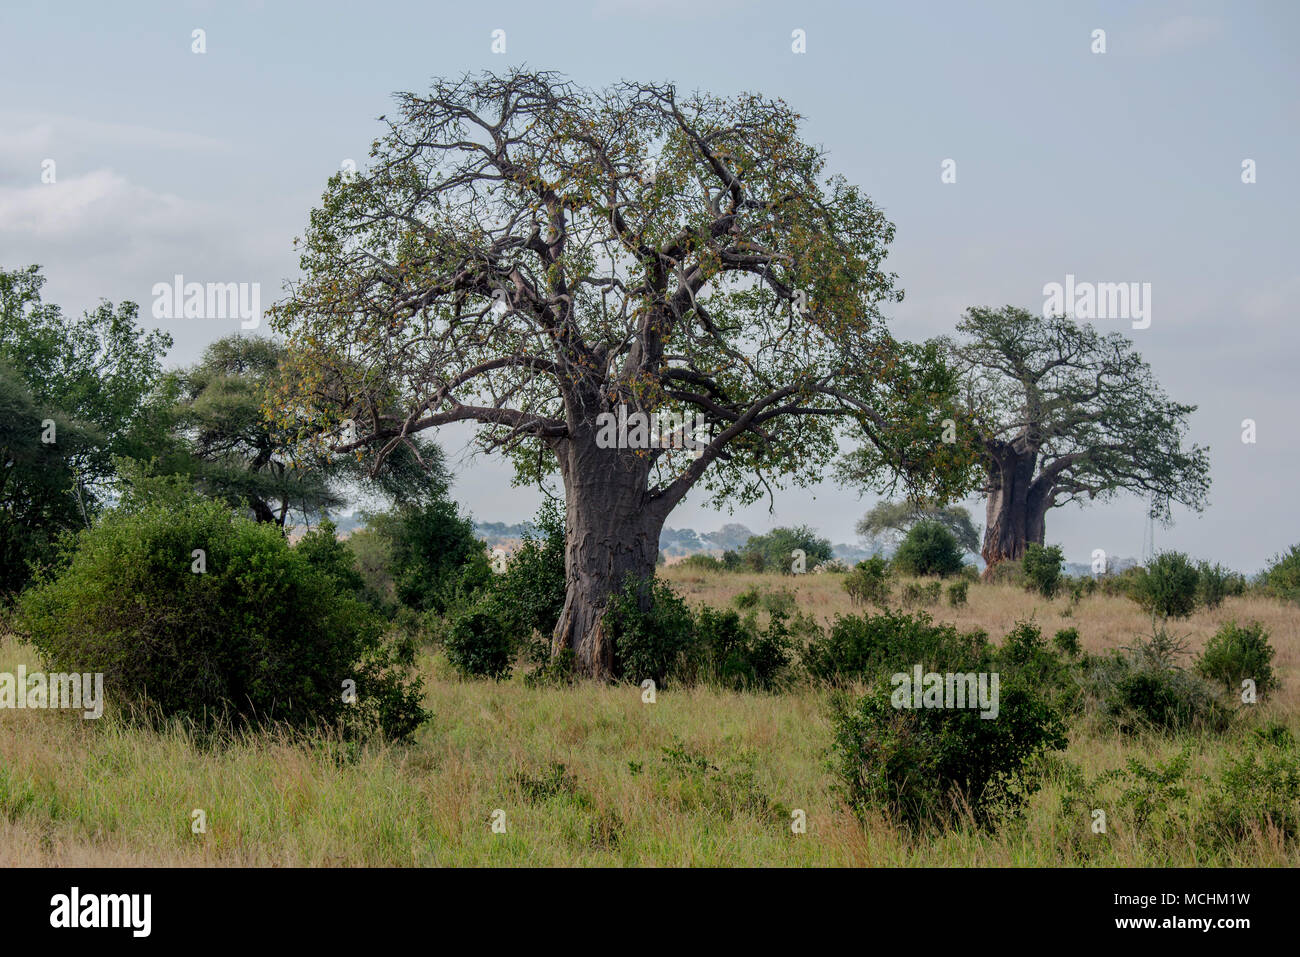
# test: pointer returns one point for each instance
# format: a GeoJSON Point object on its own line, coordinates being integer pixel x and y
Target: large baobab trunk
{"type": "Point", "coordinates": [1017, 509]}
{"type": "Point", "coordinates": [610, 533]}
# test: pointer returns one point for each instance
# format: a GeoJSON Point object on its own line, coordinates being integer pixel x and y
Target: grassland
{"type": "Point", "coordinates": [585, 775]}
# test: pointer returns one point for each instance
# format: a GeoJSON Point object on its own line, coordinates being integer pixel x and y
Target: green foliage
{"type": "Point", "coordinates": [435, 554]}
{"type": "Point", "coordinates": [894, 519]}
{"type": "Point", "coordinates": [529, 594]}
{"type": "Point", "coordinates": [858, 647]}
{"type": "Point", "coordinates": [263, 635]}
{"type": "Point", "coordinates": [868, 582]}
{"type": "Point", "coordinates": [1042, 568]}
{"type": "Point", "coordinates": [1143, 688]}
{"type": "Point", "coordinates": [1067, 641]}
{"type": "Point", "coordinates": [737, 654]}
{"type": "Point", "coordinates": [925, 767]}
{"type": "Point", "coordinates": [480, 644]}
{"type": "Point", "coordinates": [702, 561]}
{"type": "Point", "coordinates": [651, 628]}
{"type": "Point", "coordinates": [773, 551]}
{"type": "Point", "coordinates": [916, 594]}
{"type": "Point", "coordinates": [957, 594]}
{"type": "Point", "coordinates": [74, 393]}
{"type": "Point", "coordinates": [1213, 584]}
{"type": "Point", "coordinates": [1282, 577]}
{"type": "Point", "coordinates": [325, 553]}
{"type": "Point", "coordinates": [928, 549]}
{"type": "Point", "coordinates": [1259, 792]}
{"type": "Point", "coordinates": [1237, 652]}
{"type": "Point", "coordinates": [1167, 587]}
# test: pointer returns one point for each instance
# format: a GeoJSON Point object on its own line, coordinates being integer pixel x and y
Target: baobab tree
{"type": "Point", "coordinates": [538, 258]}
{"type": "Point", "coordinates": [1061, 413]}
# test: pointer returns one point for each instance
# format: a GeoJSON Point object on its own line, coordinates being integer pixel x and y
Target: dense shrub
{"type": "Point", "coordinates": [1066, 641]}
{"type": "Point", "coordinates": [1042, 568]}
{"type": "Point", "coordinates": [928, 549]}
{"type": "Point", "coordinates": [773, 552]}
{"type": "Point", "coordinates": [529, 594]}
{"type": "Point", "coordinates": [262, 634]}
{"type": "Point", "coordinates": [1237, 652]}
{"type": "Point", "coordinates": [1167, 587]}
{"type": "Point", "coordinates": [1259, 791]}
{"type": "Point", "coordinates": [437, 559]}
{"type": "Point", "coordinates": [957, 594]}
{"type": "Point", "coordinates": [858, 647]}
{"type": "Point", "coordinates": [1143, 688]}
{"type": "Point", "coordinates": [926, 767]}
{"type": "Point", "coordinates": [918, 593]}
{"type": "Point", "coordinates": [1025, 654]}
{"type": "Point", "coordinates": [1213, 584]}
{"type": "Point", "coordinates": [480, 643]}
{"type": "Point", "coordinates": [735, 653]}
{"type": "Point", "coordinates": [868, 582]}
{"type": "Point", "coordinates": [704, 562]}
{"type": "Point", "coordinates": [651, 628]}
{"type": "Point", "coordinates": [1282, 577]}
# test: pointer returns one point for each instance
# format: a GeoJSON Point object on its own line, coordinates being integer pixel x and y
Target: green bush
{"type": "Point", "coordinates": [925, 767]}
{"type": "Point", "coordinates": [1213, 584]}
{"type": "Point", "coordinates": [957, 594]}
{"type": "Point", "coordinates": [262, 634]}
{"type": "Point", "coordinates": [1025, 655]}
{"type": "Point", "coordinates": [1143, 688]}
{"type": "Point", "coordinates": [737, 654]}
{"type": "Point", "coordinates": [928, 549]}
{"type": "Point", "coordinates": [1235, 653]}
{"type": "Point", "coordinates": [859, 647]}
{"type": "Point", "coordinates": [1067, 641]}
{"type": "Point", "coordinates": [773, 552]}
{"type": "Point", "coordinates": [916, 593]}
{"type": "Point", "coordinates": [529, 595]}
{"type": "Point", "coordinates": [704, 562]}
{"type": "Point", "coordinates": [1259, 791]}
{"type": "Point", "coordinates": [1282, 577]}
{"type": "Point", "coordinates": [651, 628]}
{"type": "Point", "coordinates": [1167, 587]}
{"type": "Point", "coordinates": [1042, 568]}
{"type": "Point", "coordinates": [868, 582]}
{"type": "Point", "coordinates": [437, 560]}
{"type": "Point", "coordinates": [480, 643]}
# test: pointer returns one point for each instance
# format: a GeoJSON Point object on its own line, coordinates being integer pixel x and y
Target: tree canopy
{"type": "Point", "coordinates": [1061, 413]}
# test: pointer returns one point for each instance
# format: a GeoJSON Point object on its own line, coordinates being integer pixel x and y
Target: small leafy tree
{"type": "Point", "coordinates": [1237, 652]}
{"type": "Point", "coordinates": [775, 550]}
{"type": "Point", "coordinates": [929, 549]}
{"type": "Point", "coordinates": [1166, 588]}
{"type": "Point", "coordinates": [1042, 568]}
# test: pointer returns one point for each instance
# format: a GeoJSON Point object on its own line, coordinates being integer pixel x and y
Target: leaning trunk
{"type": "Point", "coordinates": [611, 534]}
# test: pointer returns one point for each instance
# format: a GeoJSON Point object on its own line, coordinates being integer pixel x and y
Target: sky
{"type": "Point", "coordinates": [1122, 166]}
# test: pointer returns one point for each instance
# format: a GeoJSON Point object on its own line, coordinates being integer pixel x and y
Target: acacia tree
{"type": "Point", "coordinates": [1060, 413]}
{"type": "Point", "coordinates": [529, 255]}
{"type": "Point", "coordinates": [895, 519]}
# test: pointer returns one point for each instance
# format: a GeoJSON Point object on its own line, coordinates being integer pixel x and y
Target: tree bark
{"type": "Point", "coordinates": [1017, 508]}
{"type": "Point", "coordinates": [611, 533]}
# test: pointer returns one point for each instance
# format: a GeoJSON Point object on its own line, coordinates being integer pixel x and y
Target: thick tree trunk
{"type": "Point", "coordinates": [610, 534]}
{"type": "Point", "coordinates": [1017, 509]}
